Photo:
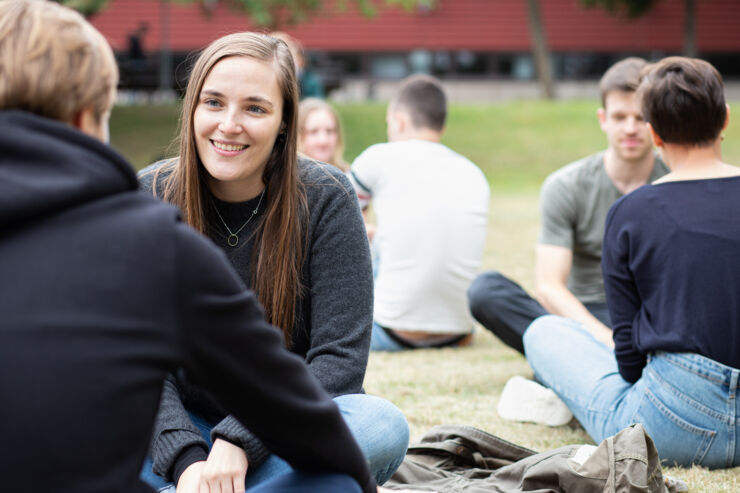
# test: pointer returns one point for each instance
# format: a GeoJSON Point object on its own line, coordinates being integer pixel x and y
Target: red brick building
{"type": "Point", "coordinates": [457, 39]}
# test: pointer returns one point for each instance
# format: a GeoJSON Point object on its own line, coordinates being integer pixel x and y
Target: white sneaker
{"type": "Point", "coordinates": [526, 400]}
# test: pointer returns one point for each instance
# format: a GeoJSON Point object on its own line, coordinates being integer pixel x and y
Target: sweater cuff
{"type": "Point", "coordinates": [187, 457]}
{"type": "Point", "coordinates": [231, 430]}
{"type": "Point", "coordinates": [170, 446]}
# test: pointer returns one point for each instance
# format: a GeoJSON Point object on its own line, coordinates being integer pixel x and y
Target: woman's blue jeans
{"type": "Point", "coordinates": [686, 402]}
{"type": "Point", "coordinates": [378, 426]}
{"type": "Point", "coordinates": [297, 482]}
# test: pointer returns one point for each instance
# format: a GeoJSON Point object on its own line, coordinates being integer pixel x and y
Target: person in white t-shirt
{"type": "Point", "coordinates": [431, 209]}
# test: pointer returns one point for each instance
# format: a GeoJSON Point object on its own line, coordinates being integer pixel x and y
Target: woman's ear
{"type": "Point", "coordinates": [657, 141]}
{"type": "Point", "coordinates": [727, 117]}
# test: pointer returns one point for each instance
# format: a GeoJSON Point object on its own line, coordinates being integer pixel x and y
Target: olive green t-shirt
{"type": "Point", "coordinates": [574, 201]}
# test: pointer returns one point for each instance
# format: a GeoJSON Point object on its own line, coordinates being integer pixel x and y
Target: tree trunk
{"type": "Point", "coordinates": [689, 28]}
{"type": "Point", "coordinates": [539, 48]}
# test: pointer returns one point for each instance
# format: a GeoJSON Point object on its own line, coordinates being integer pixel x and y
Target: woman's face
{"type": "Point", "coordinates": [319, 137]}
{"type": "Point", "coordinates": [237, 118]}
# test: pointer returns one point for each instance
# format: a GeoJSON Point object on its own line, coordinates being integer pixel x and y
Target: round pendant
{"type": "Point", "coordinates": [232, 240]}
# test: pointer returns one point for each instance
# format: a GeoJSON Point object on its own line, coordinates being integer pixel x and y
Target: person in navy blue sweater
{"type": "Point", "coordinates": [673, 289]}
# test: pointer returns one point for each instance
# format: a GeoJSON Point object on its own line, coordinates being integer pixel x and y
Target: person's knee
{"type": "Point", "coordinates": [397, 427]}
{"type": "Point", "coordinates": [539, 332]}
{"type": "Point", "coordinates": [390, 448]}
{"type": "Point", "coordinates": [380, 429]}
{"type": "Point", "coordinates": [391, 424]}
{"type": "Point", "coordinates": [375, 422]}
{"type": "Point", "coordinates": [482, 292]}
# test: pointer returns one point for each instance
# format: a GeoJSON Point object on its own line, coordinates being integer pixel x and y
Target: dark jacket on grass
{"type": "Point", "coordinates": [104, 292]}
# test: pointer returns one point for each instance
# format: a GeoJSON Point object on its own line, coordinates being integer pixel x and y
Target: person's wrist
{"type": "Point", "coordinates": [186, 458]}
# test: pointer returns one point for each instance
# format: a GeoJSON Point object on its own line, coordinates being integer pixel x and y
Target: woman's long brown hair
{"type": "Point", "coordinates": [281, 237]}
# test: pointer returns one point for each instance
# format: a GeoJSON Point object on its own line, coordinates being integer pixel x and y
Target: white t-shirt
{"type": "Point", "coordinates": [431, 209]}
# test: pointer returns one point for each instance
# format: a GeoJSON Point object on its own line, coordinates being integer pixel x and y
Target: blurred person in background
{"type": "Point", "coordinates": [574, 201]}
{"type": "Point", "coordinates": [310, 84]}
{"type": "Point", "coordinates": [431, 205]}
{"type": "Point", "coordinates": [672, 281]}
{"type": "Point", "coordinates": [320, 134]}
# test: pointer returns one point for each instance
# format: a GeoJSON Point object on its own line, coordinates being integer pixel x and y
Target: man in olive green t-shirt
{"type": "Point", "coordinates": [574, 201]}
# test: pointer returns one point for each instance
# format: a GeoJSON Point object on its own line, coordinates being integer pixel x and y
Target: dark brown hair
{"type": "Point", "coordinates": [683, 99]}
{"type": "Point", "coordinates": [622, 76]}
{"type": "Point", "coordinates": [281, 236]}
{"type": "Point", "coordinates": [423, 98]}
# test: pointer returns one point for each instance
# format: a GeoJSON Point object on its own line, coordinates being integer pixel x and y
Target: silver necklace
{"type": "Point", "coordinates": [233, 238]}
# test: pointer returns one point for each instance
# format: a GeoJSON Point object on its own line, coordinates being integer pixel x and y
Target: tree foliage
{"type": "Point", "coordinates": [85, 7]}
{"type": "Point", "coordinates": [631, 8]}
{"type": "Point", "coordinates": [273, 13]}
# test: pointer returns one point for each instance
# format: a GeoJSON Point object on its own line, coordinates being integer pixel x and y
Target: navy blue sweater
{"type": "Point", "coordinates": [672, 274]}
{"type": "Point", "coordinates": [104, 292]}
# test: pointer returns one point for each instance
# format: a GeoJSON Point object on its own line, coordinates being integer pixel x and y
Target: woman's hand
{"type": "Point", "coordinates": [189, 481]}
{"type": "Point", "coordinates": [225, 469]}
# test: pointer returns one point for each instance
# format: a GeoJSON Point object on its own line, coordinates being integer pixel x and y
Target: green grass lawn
{"type": "Point", "coordinates": [516, 144]}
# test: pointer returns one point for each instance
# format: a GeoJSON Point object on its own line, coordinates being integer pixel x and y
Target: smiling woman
{"type": "Point", "coordinates": [280, 221]}
{"type": "Point", "coordinates": [236, 122]}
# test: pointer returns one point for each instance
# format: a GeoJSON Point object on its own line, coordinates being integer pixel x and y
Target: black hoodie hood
{"type": "Point", "coordinates": [47, 167]}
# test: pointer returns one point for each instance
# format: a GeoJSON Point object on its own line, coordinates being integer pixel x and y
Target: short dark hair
{"type": "Point", "coordinates": [423, 98]}
{"type": "Point", "coordinates": [683, 99]}
{"type": "Point", "coordinates": [622, 76]}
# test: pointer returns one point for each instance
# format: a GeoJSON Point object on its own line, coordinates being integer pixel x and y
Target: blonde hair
{"type": "Point", "coordinates": [53, 62]}
{"type": "Point", "coordinates": [281, 236]}
{"type": "Point", "coordinates": [308, 106]}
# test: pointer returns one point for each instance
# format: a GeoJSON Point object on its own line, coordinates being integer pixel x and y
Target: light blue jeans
{"type": "Point", "coordinates": [686, 402]}
{"type": "Point", "coordinates": [379, 427]}
{"type": "Point", "coordinates": [381, 341]}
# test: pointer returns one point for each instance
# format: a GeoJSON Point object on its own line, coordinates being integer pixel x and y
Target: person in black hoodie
{"type": "Point", "coordinates": [105, 291]}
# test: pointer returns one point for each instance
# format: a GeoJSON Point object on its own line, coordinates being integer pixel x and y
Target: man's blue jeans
{"type": "Point", "coordinates": [379, 427]}
{"type": "Point", "coordinates": [687, 403]}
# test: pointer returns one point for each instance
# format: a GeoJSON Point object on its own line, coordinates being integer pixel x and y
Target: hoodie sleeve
{"type": "Point", "coordinates": [226, 344]}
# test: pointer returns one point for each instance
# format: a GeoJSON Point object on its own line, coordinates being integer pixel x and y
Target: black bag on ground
{"type": "Point", "coordinates": [451, 459]}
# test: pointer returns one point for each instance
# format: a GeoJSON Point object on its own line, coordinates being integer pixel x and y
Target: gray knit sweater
{"type": "Point", "coordinates": [333, 319]}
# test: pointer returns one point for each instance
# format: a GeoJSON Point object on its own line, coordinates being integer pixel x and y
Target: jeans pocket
{"type": "Point", "coordinates": [676, 438]}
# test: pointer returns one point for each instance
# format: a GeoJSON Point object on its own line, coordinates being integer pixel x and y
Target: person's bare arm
{"type": "Point", "coordinates": [369, 223]}
{"type": "Point", "coordinates": [552, 267]}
